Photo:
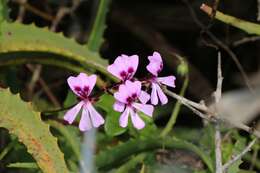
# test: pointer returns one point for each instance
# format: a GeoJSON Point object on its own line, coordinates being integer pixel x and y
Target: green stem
{"type": "Point", "coordinates": [176, 110]}
{"type": "Point", "coordinates": [7, 149]}
{"type": "Point", "coordinates": [249, 27]}
{"type": "Point", "coordinates": [29, 165]}
{"type": "Point", "coordinates": [110, 158]}
{"type": "Point", "coordinates": [131, 163]}
{"type": "Point", "coordinates": [96, 35]}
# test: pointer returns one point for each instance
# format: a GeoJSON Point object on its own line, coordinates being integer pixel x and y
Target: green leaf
{"type": "Point", "coordinates": [96, 35]}
{"type": "Point", "coordinates": [46, 46]}
{"type": "Point", "coordinates": [116, 155]}
{"type": "Point", "coordinates": [238, 148]}
{"type": "Point", "coordinates": [30, 165]}
{"type": "Point", "coordinates": [112, 127]}
{"type": "Point", "coordinates": [4, 11]}
{"type": "Point", "coordinates": [20, 120]}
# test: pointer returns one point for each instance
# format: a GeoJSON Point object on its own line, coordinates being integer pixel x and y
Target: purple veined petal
{"type": "Point", "coordinates": [154, 97]}
{"type": "Point", "coordinates": [144, 97]}
{"type": "Point", "coordinates": [133, 63]}
{"type": "Point", "coordinates": [115, 70]}
{"type": "Point", "coordinates": [145, 108]}
{"type": "Point", "coordinates": [137, 122]}
{"type": "Point", "coordinates": [155, 57]}
{"type": "Point", "coordinates": [122, 94]}
{"type": "Point", "coordinates": [168, 80]}
{"type": "Point", "coordinates": [119, 106]}
{"type": "Point", "coordinates": [82, 81]}
{"type": "Point", "coordinates": [161, 95]}
{"type": "Point", "coordinates": [72, 113]}
{"type": "Point", "coordinates": [85, 122]}
{"type": "Point", "coordinates": [154, 68]}
{"type": "Point", "coordinates": [123, 120]}
{"type": "Point", "coordinates": [95, 117]}
{"type": "Point", "coordinates": [133, 87]}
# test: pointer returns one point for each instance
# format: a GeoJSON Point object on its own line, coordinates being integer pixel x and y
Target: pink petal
{"type": "Point", "coordinates": [123, 120]}
{"type": "Point", "coordinates": [169, 81]}
{"type": "Point", "coordinates": [85, 123]}
{"type": "Point", "coordinates": [155, 57]}
{"type": "Point", "coordinates": [136, 120]}
{"type": "Point", "coordinates": [122, 94]}
{"type": "Point", "coordinates": [161, 95]}
{"type": "Point", "coordinates": [72, 113]}
{"type": "Point", "coordinates": [96, 118]}
{"type": "Point", "coordinates": [119, 106]}
{"type": "Point", "coordinates": [145, 108]}
{"type": "Point", "coordinates": [134, 61]}
{"type": "Point", "coordinates": [144, 97]}
{"type": "Point", "coordinates": [153, 68]}
{"type": "Point", "coordinates": [133, 87]}
{"type": "Point", "coordinates": [154, 97]}
{"type": "Point", "coordinates": [115, 70]}
{"type": "Point", "coordinates": [124, 63]}
{"type": "Point", "coordinates": [155, 64]}
{"type": "Point", "coordinates": [82, 80]}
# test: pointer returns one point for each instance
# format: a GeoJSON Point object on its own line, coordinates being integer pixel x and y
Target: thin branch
{"type": "Point", "coordinates": [239, 156]}
{"type": "Point", "coordinates": [218, 140]}
{"type": "Point", "coordinates": [218, 42]}
{"type": "Point", "coordinates": [246, 40]}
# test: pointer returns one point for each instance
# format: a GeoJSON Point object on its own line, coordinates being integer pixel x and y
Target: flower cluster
{"type": "Point", "coordinates": [129, 98]}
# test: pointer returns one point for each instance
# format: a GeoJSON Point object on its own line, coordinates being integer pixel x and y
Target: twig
{"type": "Point", "coordinates": [21, 11]}
{"type": "Point", "coordinates": [258, 10]}
{"type": "Point", "coordinates": [239, 156]}
{"type": "Point", "coordinates": [218, 42]}
{"type": "Point", "coordinates": [246, 40]}
{"type": "Point", "coordinates": [218, 140]}
{"type": "Point", "coordinates": [35, 10]}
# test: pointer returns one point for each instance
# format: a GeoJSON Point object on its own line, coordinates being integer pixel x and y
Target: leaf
{"type": "Point", "coordinates": [20, 120]}
{"type": "Point", "coordinates": [96, 35]}
{"type": "Point", "coordinates": [237, 149]}
{"type": "Point", "coordinates": [112, 127]}
{"type": "Point", "coordinates": [56, 47]}
{"type": "Point", "coordinates": [116, 155]}
{"type": "Point", "coordinates": [4, 11]}
{"type": "Point", "coordinates": [29, 165]}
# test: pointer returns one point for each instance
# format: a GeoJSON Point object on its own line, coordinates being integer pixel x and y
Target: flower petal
{"type": "Point", "coordinates": [123, 120]}
{"type": "Point", "coordinates": [156, 64]}
{"type": "Point", "coordinates": [133, 87]}
{"type": "Point", "coordinates": [124, 64]}
{"type": "Point", "coordinates": [119, 106]}
{"type": "Point", "coordinates": [136, 120]}
{"type": "Point", "coordinates": [145, 108]}
{"type": "Point", "coordinates": [154, 97]}
{"type": "Point", "coordinates": [85, 122]}
{"type": "Point", "coordinates": [144, 97]}
{"type": "Point", "coordinates": [95, 117]}
{"type": "Point", "coordinates": [72, 113]}
{"type": "Point", "coordinates": [155, 57]}
{"type": "Point", "coordinates": [122, 94]}
{"type": "Point", "coordinates": [161, 95]}
{"type": "Point", "coordinates": [168, 80]}
{"type": "Point", "coordinates": [81, 81]}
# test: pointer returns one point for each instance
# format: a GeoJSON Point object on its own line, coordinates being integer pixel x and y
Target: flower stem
{"type": "Point", "coordinates": [176, 110]}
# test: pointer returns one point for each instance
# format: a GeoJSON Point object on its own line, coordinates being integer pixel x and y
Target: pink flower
{"type": "Point", "coordinates": [124, 67]}
{"type": "Point", "coordinates": [127, 102]}
{"type": "Point", "coordinates": [155, 66]}
{"type": "Point", "coordinates": [82, 85]}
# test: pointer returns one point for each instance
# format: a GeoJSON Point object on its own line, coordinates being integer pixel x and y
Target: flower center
{"type": "Point", "coordinates": [131, 99]}
{"type": "Point", "coordinates": [127, 74]}
{"type": "Point", "coordinates": [82, 92]}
